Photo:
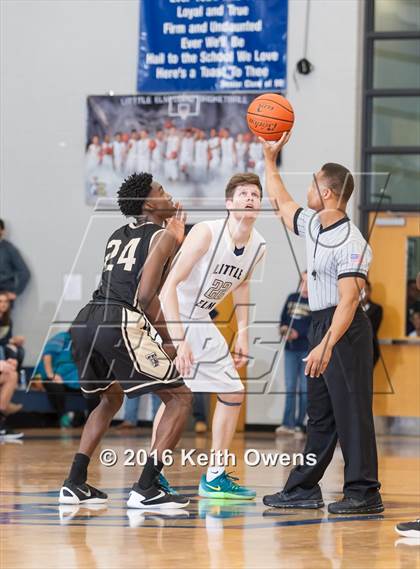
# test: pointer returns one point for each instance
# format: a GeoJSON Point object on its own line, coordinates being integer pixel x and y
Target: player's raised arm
{"type": "Point", "coordinates": [282, 202]}
{"type": "Point", "coordinates": [160, 252]}
{"type": "Point", "coordinates": [194, 247]}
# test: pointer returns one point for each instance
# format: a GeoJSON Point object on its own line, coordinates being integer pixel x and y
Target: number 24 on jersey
{"type": "Point", "coordinates": [127, 256]}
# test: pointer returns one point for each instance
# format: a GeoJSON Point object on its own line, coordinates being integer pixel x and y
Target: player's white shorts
{"type": "Point", "coordinates": [213, 370]}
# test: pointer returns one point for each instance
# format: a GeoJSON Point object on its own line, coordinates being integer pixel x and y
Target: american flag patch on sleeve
{"type": "Point", "coordinates": [355, 257]}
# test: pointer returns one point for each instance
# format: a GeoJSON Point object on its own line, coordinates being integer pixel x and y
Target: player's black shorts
{"type": "Point", "coordinates": [113, 343]}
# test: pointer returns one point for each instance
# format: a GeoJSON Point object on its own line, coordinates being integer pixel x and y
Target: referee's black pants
{"type": "Point", "coordinates": [340, 407]}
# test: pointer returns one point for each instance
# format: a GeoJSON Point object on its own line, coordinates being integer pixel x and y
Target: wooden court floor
{"type": "Point", "coordinates": [37, 533]}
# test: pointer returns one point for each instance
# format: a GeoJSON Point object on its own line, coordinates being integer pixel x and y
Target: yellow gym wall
{"type": "Point", "coordinates": [397, 377]}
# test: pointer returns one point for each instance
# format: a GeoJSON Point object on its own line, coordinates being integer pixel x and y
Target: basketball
{"type": "Point", "coordinates": [270, 115]}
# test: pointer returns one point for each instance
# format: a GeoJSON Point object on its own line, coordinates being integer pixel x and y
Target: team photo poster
{"type": "Point", "coordinates": [192, 144]}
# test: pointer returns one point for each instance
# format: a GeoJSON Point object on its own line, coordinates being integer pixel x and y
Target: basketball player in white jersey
{"type": "Point", "coordinates": [158, 153]}
{"type": "Point", "coordinates": [216, 258]}
{"type": "Point", "coordinates": [256, 157]}
{"type": "Point", "coordinates": [131, 154]}
{"type": "Point", "coordinates": [214, 151]}
{"type": "Point", "coordinates": [228, 152]}
{"type": "Point", "coordinates": [172, 150]}
{"type": "Point", "coordinates": [241, 152]}
{"type": "Point", "coordinates": [187, 152]}
{"type": "Point", "coordinates": [118, 148]}
{"type": "Point", "coordinates": [201, 157]}
{"type": "Point", "coordinates": [143, 152]}
{"type": "Point", "coordinates": [107, 153]}
{"type": "Point", "coordinates": [93, 155]}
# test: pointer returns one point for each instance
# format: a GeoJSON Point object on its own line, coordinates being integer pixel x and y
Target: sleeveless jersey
{"type": "Point", "coordinates": [125, 255]}
{"type": "Point", "coordinates": [219, 272]}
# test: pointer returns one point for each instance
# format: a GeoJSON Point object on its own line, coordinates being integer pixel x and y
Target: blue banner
{"type": "Point", "coordinates": [212, 45]}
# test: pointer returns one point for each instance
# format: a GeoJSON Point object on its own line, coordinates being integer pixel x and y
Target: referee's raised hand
{"type": "Point", "coordinates": [272, 148]}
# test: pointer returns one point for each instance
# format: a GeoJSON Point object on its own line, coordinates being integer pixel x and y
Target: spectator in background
{"type": "Point", "coordinates": [415, 320]}
{"type": "Point", "coordinates": [294, 327]}
{"type": "Point", "coordinates": [413, 304]}
{"type": "Point", "coordinates": [131, 411]}
{"type": "Point", "coordinates": [11, 347]}
{"type": "Point", "coordinates": [8, 382]}
{"type": "Point", "coordinates": [14, 274]}
{"type": "Point", "coordinates": [374, 312]}
{"type": "Point", "coordinates": [59, 375]}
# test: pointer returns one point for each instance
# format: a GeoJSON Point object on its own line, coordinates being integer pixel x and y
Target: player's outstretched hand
{"type": "Point", "coordinates": [176, 224]}
{"type": "Point", "coordinates": [272, 148]}
{"type": "Point", "coordinates": [184, 359]}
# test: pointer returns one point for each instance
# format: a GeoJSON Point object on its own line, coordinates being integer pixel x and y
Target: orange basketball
{"type": "Point", "coordinates": [270, 115]}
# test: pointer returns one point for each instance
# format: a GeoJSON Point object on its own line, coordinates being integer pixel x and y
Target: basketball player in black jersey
{"type": "Point", "coordinates": [117, 349]}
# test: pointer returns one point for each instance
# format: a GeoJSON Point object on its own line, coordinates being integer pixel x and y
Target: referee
{"type": "Point", "coordinates": [339, 364]}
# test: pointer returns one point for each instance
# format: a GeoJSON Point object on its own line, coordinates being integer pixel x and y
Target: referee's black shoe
{"type": "Point", "coordinates": [297, 498]}
{"type": "Point", "coordinates": [347, 505]}
{"type": "Point", "coordinates": [155, 497]}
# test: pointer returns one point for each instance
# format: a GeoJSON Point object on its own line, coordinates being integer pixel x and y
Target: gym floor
{"type": "Point", "coordinates": [36, 532]}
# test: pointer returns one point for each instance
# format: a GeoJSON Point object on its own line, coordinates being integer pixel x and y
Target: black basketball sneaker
{"type": "Point", "coordinates": [409, 529]}
{"type": "Point", "coordinates": [72, 493]}
{"type": "Point", "coordinates": [298, 498]}
{"type": "Point", "coordinates": [347, 505]}
{"type": "Point", "coordinates": [155, 497]}
{"type": "Point", "coordinates": [7, 434]}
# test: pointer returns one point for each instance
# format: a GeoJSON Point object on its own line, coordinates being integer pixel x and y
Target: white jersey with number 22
{"type": "Point", "coordinates": [219, 271]}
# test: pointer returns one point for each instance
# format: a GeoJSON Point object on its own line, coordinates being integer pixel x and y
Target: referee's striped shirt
{"type": "Point", "coordinates": [334, 252]}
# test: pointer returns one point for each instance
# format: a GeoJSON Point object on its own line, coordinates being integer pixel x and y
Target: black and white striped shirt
{"type": "Point", "coordinates": [334, 252]}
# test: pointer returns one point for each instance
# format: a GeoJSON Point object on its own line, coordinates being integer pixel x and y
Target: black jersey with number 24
{"type": "Point", "coordinates": [125, 255]}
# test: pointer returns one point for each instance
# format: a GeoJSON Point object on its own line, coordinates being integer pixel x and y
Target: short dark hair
{"type": "Point", "coordinates": [132, 193]}
{"type": "Point", "coordinates": [340, 180]}
{"type": "Point", "coordinates": [240, 180]}
{"type": "Point", "coordinates": [1, 225]}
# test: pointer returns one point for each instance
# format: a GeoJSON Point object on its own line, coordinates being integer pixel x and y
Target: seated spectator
{"type": "Point", "coordinates": [8, 382]}
{"type": "Point", "coordinates": [415, 320]}
{"type": "Point", "coordinates": [374, 312]}
{"type": "Point", "coordinates": [60, 376]}
{"type": "Point", "coordinates": [14, 273]}
{"type": "Point", "coordinates": [294, 327]}
{"type": "Point", "coordinates": [11, 347]}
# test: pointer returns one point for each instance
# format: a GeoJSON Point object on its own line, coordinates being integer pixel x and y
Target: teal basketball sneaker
{"type": "Point", "coordinates": [224, 486]}
{"type": "Point", "coordinates": [163, 482]}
